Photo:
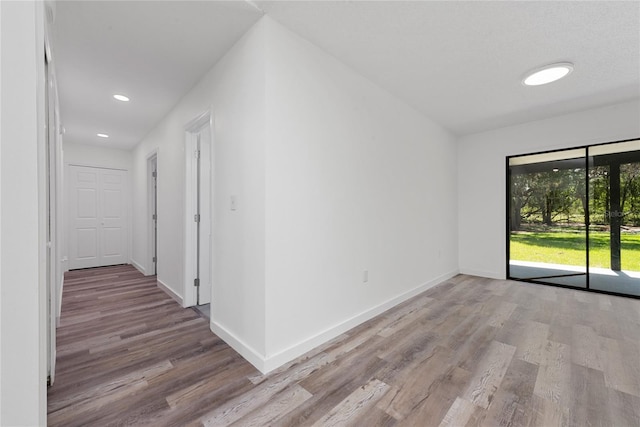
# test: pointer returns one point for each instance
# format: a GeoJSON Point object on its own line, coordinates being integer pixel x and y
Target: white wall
{"type": "Point", "coordinates": [332, 176]}
{"type": "Point", "coordinates": [482, 181]}
{"type": "Point", "coordinates": [356, 180]}
{"type": "Point", "coordinates": [1, 118]}
{"type": "Point", "coordinates": [23, 306]}
{"type": "Point", "coordinates": [234, 93]}
{"type": "Point", "coordinates": [102, 157]}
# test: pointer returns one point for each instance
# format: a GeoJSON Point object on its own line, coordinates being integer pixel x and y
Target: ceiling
{"type": "Point", "coordinates": [459, 63]}
{"type": "Point", "coordinates": [151, 51]}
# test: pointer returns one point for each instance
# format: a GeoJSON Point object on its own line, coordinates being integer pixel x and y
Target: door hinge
{"type": "Point", "coordinates": [196, 217]}
{"type": "Point", "coordinates": [155, 259]}
{"type": "Point", "coordinates": [196, 282]}
{"type": "Point", "coordinates": [154, 216]}
{"type": "Point", "coordinates": [154, 174]}
{"type": "Point", "coordinates": [197, 154]}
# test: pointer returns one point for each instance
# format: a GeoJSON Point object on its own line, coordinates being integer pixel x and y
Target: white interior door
{"type": "Point", "coordinates": [97, 217]}
{"type": "Point", "coordinates": [112, 230]}
{"type": "Point", "coordinates": [205, 216]}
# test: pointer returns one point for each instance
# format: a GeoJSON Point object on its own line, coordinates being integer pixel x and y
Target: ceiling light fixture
{"type": "Point", "coordinates": [547, 74]}
{"type": "Point", "coordinates": [121, 97]}
{"type": "Point", "coordinates": [102, 135]}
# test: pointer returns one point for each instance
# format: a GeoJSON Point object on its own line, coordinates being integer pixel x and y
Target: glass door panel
{"type": "Point", "coordinates": [551, 199]}
{"type": "Point", "coordinates": [614, 205]}
{"type": "Point", "coordinates": [547, 218]}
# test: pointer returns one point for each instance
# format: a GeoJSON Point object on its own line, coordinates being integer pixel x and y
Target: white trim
{"type": "Point", "coordinates": [189, 228]}
{"type": "Point", "coordinates": [1, 118]}
{"type": "Point", "coordinates": [245, 350]}
{"type": "Point", "coordinates": [480, 273]}
{"type": "Point", "coordinates": [60, 303]}
{"type": "Point", "coordinates": [177, 298]}
{"type": "Point", "coordinates": [92, 165]}
{"type": "Point", "coordinates": [51, 190]}
{"type": "Point", "coordinates": [266, 364]}
{"type": "Point", "coordinates": [43, 284]}
{"type": "Point", "coordinates": [278, 359]}
{"type": "Point", "coordinates": [198, 122]}
{"type": "Point", "coordinates": [153, 154]}
{"type": "Point", "coordinates": [23, 347]}
{"type": "Point", "coordinates": [138, 267]}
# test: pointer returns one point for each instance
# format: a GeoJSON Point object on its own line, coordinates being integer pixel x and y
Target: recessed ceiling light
{"type": "Point", "coordinates": [547, 74]}
{"type": "Point", "coordinates": [121, 97]}
{"type": "Point", "coordinates": [102, 135]}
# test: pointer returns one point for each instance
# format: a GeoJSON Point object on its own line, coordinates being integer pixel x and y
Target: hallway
{"type": "Point", "coordinates": [128, 353]}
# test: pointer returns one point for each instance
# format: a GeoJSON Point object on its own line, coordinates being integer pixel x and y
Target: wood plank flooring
{"type": "Point", "coordinates": [468, 352]}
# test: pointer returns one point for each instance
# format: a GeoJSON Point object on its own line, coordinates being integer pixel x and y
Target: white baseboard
{"type": "Point", "coordinates": [245, 350]}
{"type": "Point", "coordinates": [138, 267]}
{"type": "Point", "coordinates": [59, 312]}
{"type": "Point", "coordinates": [266, 364]}
{"type": "Point", "coordinates": [280, 358]}
{"type": "Point", "coordinates": [170, 292]}
{"type": "Point", "coordinates": [480, 273]}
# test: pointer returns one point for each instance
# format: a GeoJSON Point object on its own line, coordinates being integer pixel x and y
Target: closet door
{"type": "Point", "coordinates": [97, 217]}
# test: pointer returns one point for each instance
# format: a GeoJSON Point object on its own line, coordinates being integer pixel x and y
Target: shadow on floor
{"type": "Point", "coordinates": [622, 282]}
{"type": "Point", "coordinates": [203, 310]}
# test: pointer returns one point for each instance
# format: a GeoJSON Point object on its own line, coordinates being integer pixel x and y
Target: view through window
{"type": "Point", "coordinates": [574, 218]}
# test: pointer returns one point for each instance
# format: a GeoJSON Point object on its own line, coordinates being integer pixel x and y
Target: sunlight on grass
{"type": "Point", "coordinates": [569, 248]}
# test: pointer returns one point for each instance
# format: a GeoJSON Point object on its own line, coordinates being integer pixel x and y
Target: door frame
{"type": "Point", "coordinates": [53, 191]}
{"type": "Point", "coordinates": [190, 230]}
{"type": "Point", "coordinates": [152, 199]}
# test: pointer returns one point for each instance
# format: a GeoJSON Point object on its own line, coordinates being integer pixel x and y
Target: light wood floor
{"type": "Point", "coordinates": [470, 351]}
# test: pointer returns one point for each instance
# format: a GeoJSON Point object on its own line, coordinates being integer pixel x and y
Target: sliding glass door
{"type": "Point", "coordinates": [574, 218]}
{"type": "Point", "coordinates": [547, 227]}
{"type": "Point", "coordinates": [614, 206]}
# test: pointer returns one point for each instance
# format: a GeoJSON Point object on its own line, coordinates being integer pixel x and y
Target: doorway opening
{"type": "Point", "coordinates": [198, 211]}
{"type": "Point", "coordinates": [574, 218]}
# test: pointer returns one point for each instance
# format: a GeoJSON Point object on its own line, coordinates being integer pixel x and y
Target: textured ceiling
{"type": "Point", "coordinates": [460, 63]}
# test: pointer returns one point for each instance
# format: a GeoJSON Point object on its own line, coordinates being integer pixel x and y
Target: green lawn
{"type": "Point", "coordinates": [569, 248]}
